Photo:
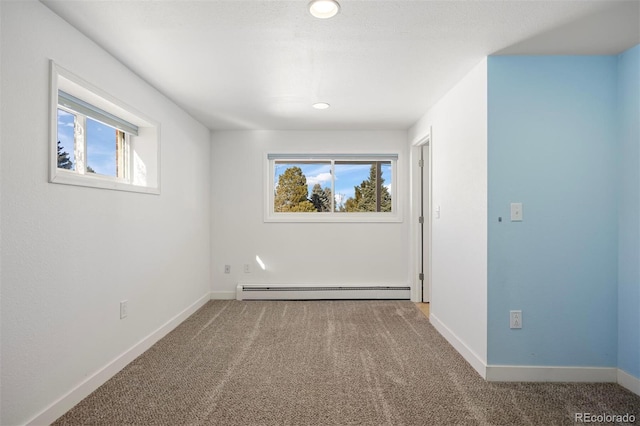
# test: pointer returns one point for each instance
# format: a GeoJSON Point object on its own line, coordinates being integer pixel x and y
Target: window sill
{"type": "Point", "coordinates": [333, 218]}
{"type": "Point", "coordinates": [100, 182]}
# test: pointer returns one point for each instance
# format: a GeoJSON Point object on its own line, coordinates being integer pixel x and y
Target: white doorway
{"type": "Point", "coordinates": [421, 217]}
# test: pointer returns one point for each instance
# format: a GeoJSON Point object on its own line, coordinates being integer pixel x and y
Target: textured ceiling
{"type": "Point", "coordinates": [246, 64]}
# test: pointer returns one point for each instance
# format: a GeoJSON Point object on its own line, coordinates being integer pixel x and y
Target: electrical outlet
{"type": "Point", "coordinates": [515, 319]}
{"type": "Point", "coordinates": [124, 309]}
{"type": "Point", "coordinates": [247, 268]}
{"type": "Point", "coordinates": [227, 269]}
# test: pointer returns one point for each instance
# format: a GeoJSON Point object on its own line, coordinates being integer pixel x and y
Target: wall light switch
{"type": "Point", "coordinates": [516, 212]}
{"type": "Point", "coordinates": [124, 309]}
{"type": "Point", "coordinates": [515, 319]}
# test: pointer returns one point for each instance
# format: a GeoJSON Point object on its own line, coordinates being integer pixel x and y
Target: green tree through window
{"type": "Point", "coordinates": [321, 198]}
{"type": "Point", "coordinates": [64, 161]}
{"type": "Point", "coordinates": [371, 195]}
{"type": "Point", "coordinates": [292, 191]}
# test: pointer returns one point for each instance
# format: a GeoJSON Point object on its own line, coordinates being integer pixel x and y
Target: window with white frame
{"type": "Point", "coordinates": [332, 188]}
{"type": "Point", "coordinates": [98, 141]}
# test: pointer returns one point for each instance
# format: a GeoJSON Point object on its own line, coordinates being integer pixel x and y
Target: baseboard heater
{"type": "Point", "coordinates": [321, 292]}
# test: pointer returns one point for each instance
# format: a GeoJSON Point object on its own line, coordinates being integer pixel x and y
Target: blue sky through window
{"type": "Point", "coordinates": [101, 143]}
{"type": "Point", "coordinates": [101, 148]}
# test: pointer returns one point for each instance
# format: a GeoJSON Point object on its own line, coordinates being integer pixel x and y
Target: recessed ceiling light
{"type": "Point", "coordinates": [324, 9]}
{"type": "Point", "coordinates": [321, 105]}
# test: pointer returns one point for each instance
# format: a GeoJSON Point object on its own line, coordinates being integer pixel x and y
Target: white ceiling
{"type": "Point", "coordinates": [260, 64]}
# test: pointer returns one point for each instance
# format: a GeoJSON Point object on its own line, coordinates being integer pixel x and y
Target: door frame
{"type": "Point", "coordinates": [421, 242]}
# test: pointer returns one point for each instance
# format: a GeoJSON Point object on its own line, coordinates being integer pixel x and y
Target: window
{"type": "Point", "coordinates": [332, 188]}
{"type": "Point", "coordinates": [86, 145]}
{"type": "Point", "coordinates": [99, 142]}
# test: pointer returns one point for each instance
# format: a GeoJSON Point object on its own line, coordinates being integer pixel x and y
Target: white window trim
{"type": "Point", "coordinates": [62, 79]}
{"type": "Point", "coordinates": [270, 215]}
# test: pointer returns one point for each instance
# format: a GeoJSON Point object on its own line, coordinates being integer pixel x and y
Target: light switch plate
{"type": "Point", "coordinates": [516, 212]}
{"type": "Point", "coordinates": [515, 319]}
{"type": "Point", "coordinates": [124, 309]}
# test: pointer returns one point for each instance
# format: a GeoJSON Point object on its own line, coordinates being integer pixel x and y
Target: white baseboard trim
{"type": "Point", "coordinates": [77, 394]}
{"type": "Point", "coordinates": [310, 291]}
{"type": "Point", "coordinates": [223, 295]}
{"type": "Point", "coordinates": [524, 373]}
{"type": "Point", "coordinates": [628, 381]}
{"type": "Point", "coordinates": [472, 358]}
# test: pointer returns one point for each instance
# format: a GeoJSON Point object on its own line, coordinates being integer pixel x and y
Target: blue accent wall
{"type": "Point", "coordinates": [629, 212]}
{"type": "Point", "coordinates": [553, 146]}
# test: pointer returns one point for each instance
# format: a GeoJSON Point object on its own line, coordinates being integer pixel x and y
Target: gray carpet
{"type": "Point", "coordinates": [324, 363]}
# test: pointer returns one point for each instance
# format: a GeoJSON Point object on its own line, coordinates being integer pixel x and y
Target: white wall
{"type": "Point", "coordinates": [459, 236]}
{"type": "Point", "coordinates": [331, 253]}
{"type": "Point", "coordinates": [71, 254]}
